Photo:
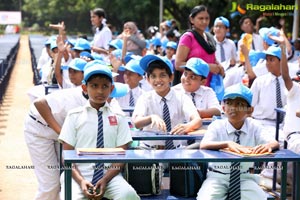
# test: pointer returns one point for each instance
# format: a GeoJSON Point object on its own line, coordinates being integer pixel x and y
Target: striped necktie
{"type": "Point", "coordinates": [166, 117]}
{"type": "Point", "coordinates": [193, 97]}
{"type": "Point", "coordinates": [98, 172]}
{"type": "Point", "coordinates": [234, 191]}
{"type": "Point", "coordinates": [131, 99]}
{"type": "Point", "coordinates": [222, 52]}
{"type": "Point", "coordinates": [278, 99]}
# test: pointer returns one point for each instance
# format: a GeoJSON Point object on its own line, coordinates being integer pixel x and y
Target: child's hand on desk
{"type": "Point", "coordinates": [261, 149]}
{"type": "Point", "coordinates": [180, 129]}
{"type": "Point", "coordinates": [158, 122]}
{"type": "Point", "coordinates": [237, 148]}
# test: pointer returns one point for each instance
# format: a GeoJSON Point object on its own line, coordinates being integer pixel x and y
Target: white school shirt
{"type": "Point", "coordinates": [229, 49]}
{"type": "Point", "coordinates": [264, 96]}
{"type": "Point", "coordinates": [81, 128]}
{"type": "Point", "coordinates": [136, 92]}
{"type": "Point", "coordinates": [102, 37]}
{"type": "Point", "coordinates": [291, 121]}
{"type": "Point", "coordinates": [205, 97]}
{"type": "Point", "coordinates": [181, 109]}
{"type": "Point", "coordinates": [234, 75]}
{"type": "Point", "coordinates": [221, 130]}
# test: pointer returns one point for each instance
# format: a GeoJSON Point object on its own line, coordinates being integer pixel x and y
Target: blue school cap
{"type": "Point", "coordinates": [273, 51]}
{"type": "Point", "coordinates": [96, 68]}
{"type": "Point", "coordinates": [82, 44]}
{"type": "Point", "coordinates": [86, 54]}
{"type": "Point", "coordinates": [168, 23]}
{"type": "Point", "coordinates": [116, 43]}
{"type": "Point", "coordinates": [265, 32]}
{"type": "Point", "coordinates": [148, 59]}
{"type": "Point", "coordinates": [53, 44]}
{"type": "Point", "coordinates": [255, 56]}
{"type": "Point", "coordinates": [117, 53]}
{"type": "Point", "coordinates": [172, 45]}
{"type": "Point", "coordinates": [49, 40]}
{"type": "Point", "coordinates": [198, 66]}
{"type": "Point", "coordinates": [156, 42]}
{"type": "Point", "coordinates": [223, 20]}
{"type": "Point", "coordinates": [134, 66]}
{"type": "Point", "coordinates": [120, 90]}
{"type": "Point", "coordinates": [238, 90]}
{"type": "Point", "coordinates": [77, 64]}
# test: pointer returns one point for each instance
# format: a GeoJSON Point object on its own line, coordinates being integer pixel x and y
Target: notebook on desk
{"type": "Point", "coordinates": [226, 150]}
{"type": "Point", "coordinates": [100, 151]}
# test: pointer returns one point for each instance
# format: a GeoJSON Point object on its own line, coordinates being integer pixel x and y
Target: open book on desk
{"type": "Point", "coordinates": [226, 150]}
{"type": "Point", "coordinates": [100, 151]}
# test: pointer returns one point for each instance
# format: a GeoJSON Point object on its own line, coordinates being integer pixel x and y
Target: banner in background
{"type": "Point", "coordinates": [10, 17]}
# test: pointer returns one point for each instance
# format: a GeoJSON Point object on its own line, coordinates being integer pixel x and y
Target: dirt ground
{"type": "Point", "coordinates": [18, 180]}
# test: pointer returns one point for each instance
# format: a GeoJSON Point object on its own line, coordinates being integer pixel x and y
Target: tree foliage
{"type": "Point", "coordinates": [76, 14]}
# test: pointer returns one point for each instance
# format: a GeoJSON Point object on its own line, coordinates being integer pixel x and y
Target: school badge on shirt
{"type": "Point", "coordinates": [113, 120]}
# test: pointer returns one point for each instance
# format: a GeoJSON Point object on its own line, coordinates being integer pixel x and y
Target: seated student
{"type": "Point", "coordinates": [193, 84]}
{"type": "Point", "coordinates": [96, 125]}
{"type": "Point", "coordinates": [75, 72]}
{"type": "Point", "coordinates": [234, 132]}
{"type": "Point", "coordinates": [133, 74]}
{"type": "Point", "coordinates": [163, 109]}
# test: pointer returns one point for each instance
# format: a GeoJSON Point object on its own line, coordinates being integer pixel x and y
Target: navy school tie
{"type": "Point", "coordinates": [131, 99]}
{"type": "Point", "coordinates": [278, 99]}
{"type": "Point", "coordinates": [193, 97]}
{"type": "Point", "coordinates": [234, 191]}
{"type": "Point", "coordinates": [222, 52]}
{"type": "Point", "coordinates": [166, 117]}
{"type": "Point", "coordinates": [98, 172]}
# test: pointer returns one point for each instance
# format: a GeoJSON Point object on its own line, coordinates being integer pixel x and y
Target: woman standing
{"type": "Point", "coordinates": [198, 43]}
{"type": "Point", "coordinates": [103, 34]}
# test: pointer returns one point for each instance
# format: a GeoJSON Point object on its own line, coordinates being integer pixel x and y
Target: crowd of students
{"type": "Point", "coordinates": [172, 82]}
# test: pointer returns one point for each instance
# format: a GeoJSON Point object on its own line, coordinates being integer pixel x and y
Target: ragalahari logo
{"type": "Point", "coordinates": [236, 10]}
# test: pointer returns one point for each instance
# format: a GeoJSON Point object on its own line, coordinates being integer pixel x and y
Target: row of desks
{"type": "Point", "coordinates": [181, 155]}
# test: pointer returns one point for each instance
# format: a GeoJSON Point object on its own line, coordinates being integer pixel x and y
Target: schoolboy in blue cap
{"type": "Point", "coordinates": [133, 74]}
{"type": "Point", "coordinates": [163, 109]}
{"type": "Point", "coordinates": [99, 127]}
{"type": "Point", "coordinates": [240, 134]}
{"type": "Point", "coordinates": [193, 85]}
{"type": "Point", "coordinates": [81, 45]}
{"type": "Point", "coordinates": [225, 49]}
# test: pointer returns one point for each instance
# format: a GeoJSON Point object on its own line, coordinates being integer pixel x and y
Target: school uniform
{"type": "Point", "coordinates": [229, 49]}
{"type": "Point", "coordinates": [136, 92]}
{"type": "Point", "coordinates": [257, 43]}
{"type": "Point", "coordinates": [42, 141]}
{"type": "Point", "coordinates": [292, 122]}
{"type": "Point", "coordinates": [102, 37]}
{"type": "Point", "coordinates": [217, 182]}
{"type": "Point", "coordinates": [80, 131]}
{"type": "Point", "coordinates": [181, 108]}
{"type": "Point", "coordinates": [205, 97]}
{"type": "Point", "coordinates": [264, 98]}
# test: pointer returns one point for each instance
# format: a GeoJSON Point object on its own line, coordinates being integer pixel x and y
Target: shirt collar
{"type": "Point", "coordinates": [230, 129]}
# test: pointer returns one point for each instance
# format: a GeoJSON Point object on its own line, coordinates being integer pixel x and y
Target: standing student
{"type": "Point", "coordinates": [193, 85]}
{"type": "Point", "coordinates": [96, 125]}
{"type": "Point", "coordinates": [163, 109]}
{"type": "Point", "coordinates": [225, 48]}
{"type": "Point", "coordinates": [198, 43]}
{"type": "Point", "coordinates": [235, 132]}
{"type": "Point", "coordinates": [103, 34]}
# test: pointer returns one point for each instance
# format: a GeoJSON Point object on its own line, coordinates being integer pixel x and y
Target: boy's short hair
{"type": "Point", "coordinates": [238, 90]}
{"type": "Point", "coordinates": [198, 66]}
{"type": "Point", "coordinates": [273, 51]}
{"type": "Point", "coordinates": [150, 62]}
{"type": "Point", "coordinates": [244, 18]}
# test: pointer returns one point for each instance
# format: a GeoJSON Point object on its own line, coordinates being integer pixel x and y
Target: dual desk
{"type": "Point", "coordinates": [181, 155]}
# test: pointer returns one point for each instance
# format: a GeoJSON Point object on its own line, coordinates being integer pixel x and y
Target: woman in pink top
{"type": "Point", "coordinates": [189, 47]}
